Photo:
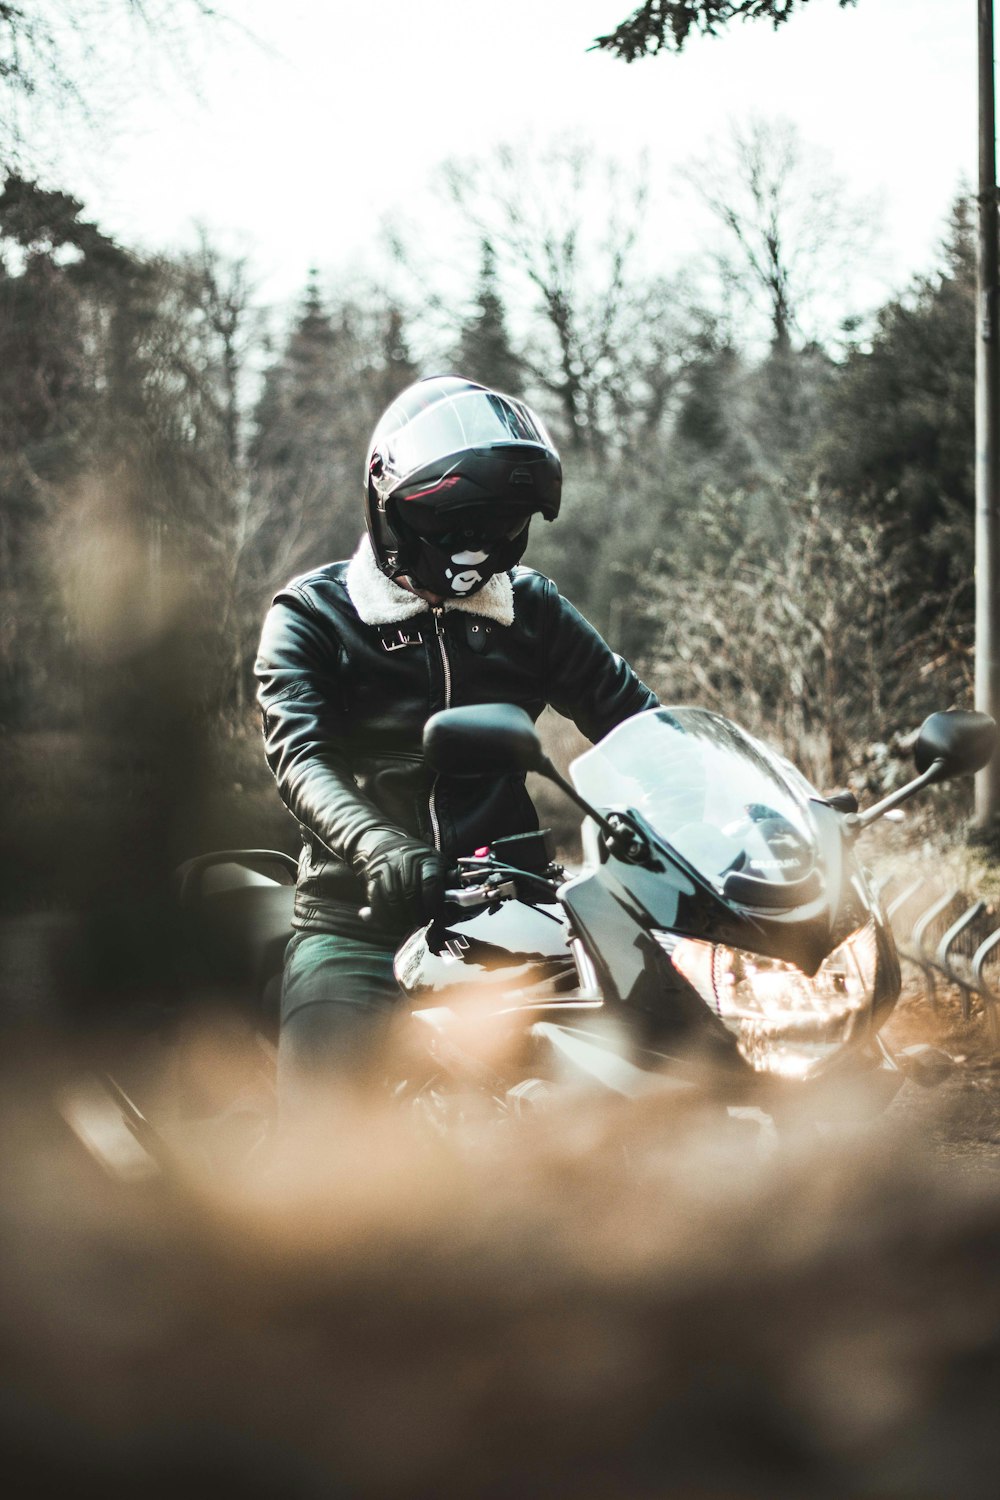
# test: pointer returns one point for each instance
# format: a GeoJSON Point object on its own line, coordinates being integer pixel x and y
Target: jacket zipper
{"type": "Point", "coordinates": [438, 612]}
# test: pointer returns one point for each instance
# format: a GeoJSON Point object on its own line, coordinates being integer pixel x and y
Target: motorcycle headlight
{"type": "Point", "coordinates": [784, 1021]}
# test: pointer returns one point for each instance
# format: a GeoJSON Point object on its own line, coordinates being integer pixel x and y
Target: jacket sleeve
{"type": "Point", "coordinates": [305, 733]}
{"type": "Point", "coordinates": [587, 681]}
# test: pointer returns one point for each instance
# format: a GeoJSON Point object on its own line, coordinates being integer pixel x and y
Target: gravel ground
{"type": "Point", "coordinates": [960, 1119]}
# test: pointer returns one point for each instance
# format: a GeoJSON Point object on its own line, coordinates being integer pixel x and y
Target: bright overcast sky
{"type": "Point", "coordinates": [297, 147]}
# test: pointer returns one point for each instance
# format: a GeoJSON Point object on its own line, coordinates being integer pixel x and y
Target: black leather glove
{"type": "Point", "coordinates": [405, 881]}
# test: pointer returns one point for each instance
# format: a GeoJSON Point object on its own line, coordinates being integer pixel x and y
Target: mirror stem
{"type": "Point", "coordinates": [611, 831]}
{"type": "Point", "coordinates": [859, 821]}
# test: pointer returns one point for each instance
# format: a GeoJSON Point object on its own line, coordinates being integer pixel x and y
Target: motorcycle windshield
{"type": "Point", "coordinates": [725, 802]}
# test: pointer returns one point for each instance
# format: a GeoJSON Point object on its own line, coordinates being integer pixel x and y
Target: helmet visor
{"type": "Point", "coordinates": [410, 439]}
{"type": "Point", "coordinates": [469, 531]}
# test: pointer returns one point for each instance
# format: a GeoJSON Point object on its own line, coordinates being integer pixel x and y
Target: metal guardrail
{"type": "Point", "coordinates": [949, 936]}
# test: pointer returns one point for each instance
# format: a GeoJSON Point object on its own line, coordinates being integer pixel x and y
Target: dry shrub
{"type": "Point", "coordinates": [786, 614]}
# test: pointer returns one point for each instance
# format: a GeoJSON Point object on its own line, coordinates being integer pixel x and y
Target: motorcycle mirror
{"type": "Point", "coordinates": [485, 739]}
{"type": "Point", "coordinates": [949, 744]}
{"type": "Point", "coordinates": [958, 741]}
{"type": "Point", "coordinates": [494, 739]}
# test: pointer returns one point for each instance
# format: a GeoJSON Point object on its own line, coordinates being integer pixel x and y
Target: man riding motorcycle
{"type": "Point", "coordinates": [431, 612]}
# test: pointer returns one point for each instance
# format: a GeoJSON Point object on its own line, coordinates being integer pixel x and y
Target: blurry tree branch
{"type": "Point", "coordinates": [609, 336]}
{"type": "Point", "coordinates": [54, 58]}
{"type": "Point", "coordinates": [794, 232]}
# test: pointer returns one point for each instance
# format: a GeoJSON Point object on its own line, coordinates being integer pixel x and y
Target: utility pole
{"type": "Point", "coordinates": [987, 818]}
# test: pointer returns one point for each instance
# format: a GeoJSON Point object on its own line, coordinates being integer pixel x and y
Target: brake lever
{"type": "Point", "coordinates": [491, 889]}
{"type": "Point", "coordinates": [482, 895]}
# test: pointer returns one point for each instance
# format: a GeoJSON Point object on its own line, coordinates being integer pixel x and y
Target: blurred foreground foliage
{"type": "Point", "coordinates": [620, 1299]}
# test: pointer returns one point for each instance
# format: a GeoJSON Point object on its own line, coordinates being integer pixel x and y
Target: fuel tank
{"type": "Point", "coordinates": [509, 945]}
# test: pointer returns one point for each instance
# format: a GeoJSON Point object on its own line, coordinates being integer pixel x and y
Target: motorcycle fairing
{"type": "Point", "coordinates": [732, 808]}
{"type": "Point", "coordinates": [756, 858]}
{"type": "Point", "coordinates": [507, 945]}
{"type": "Point", "coordinates": [633, 971]}
{"type": "Point", "coordinates": [618, 906]}
{"type": "Point", "coordinates": [668, 894]}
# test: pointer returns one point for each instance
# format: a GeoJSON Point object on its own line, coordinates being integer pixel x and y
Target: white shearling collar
{"type": "Point", "coordinates": [379, 601]}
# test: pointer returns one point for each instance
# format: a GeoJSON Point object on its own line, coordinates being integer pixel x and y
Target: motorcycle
{"type": "Point", "coordinates": [722, 936]}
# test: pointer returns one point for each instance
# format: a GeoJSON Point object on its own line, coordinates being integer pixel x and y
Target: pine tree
{"type": "Point", "coordinates": [61, 283]}
{"type": "Point", "coordinates": [901, 425]}
{"type": "Point", "coordinates": [299, 448]}
{"type": "Point", "coordinates": [336, 374]}
{"type": "Point", "coordinates": [389, 367]}
{"type": "Point", "coordinates": [484, 351]}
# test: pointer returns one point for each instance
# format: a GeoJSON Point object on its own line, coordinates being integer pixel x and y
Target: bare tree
{"type": "Point", "coordinates": [565, 225]}
{"type": "Point", "coordinates": [54, 60]}
{"type": "Point", "coordinates": [793, 234]}
{"type": "Point", "coordinates": [221, 294]}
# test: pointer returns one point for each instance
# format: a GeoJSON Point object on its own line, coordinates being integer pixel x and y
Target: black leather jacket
{"type": "Point", "coordinates": [345, 696]}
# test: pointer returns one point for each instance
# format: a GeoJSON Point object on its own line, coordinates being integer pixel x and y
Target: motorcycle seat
{"type": "Point", "coordinates": [239, 922]}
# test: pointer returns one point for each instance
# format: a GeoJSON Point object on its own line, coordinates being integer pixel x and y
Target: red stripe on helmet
{"type": "Point", "coordinates": [443, 484]}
